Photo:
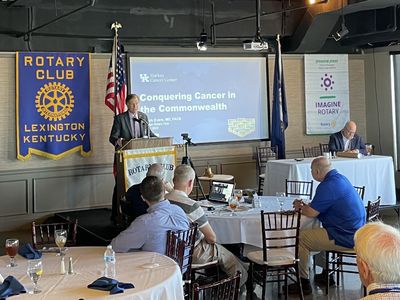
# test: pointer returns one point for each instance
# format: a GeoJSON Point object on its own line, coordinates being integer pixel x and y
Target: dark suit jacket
{"type": "Point", "coordinates": [336, 143]}
{"type": "Point", "coordinates": [122, 127]}
{"type": "Point", "coordinates": [134, 205]}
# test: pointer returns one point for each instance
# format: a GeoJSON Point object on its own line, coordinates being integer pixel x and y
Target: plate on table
{"type": "Point", "coordinates": [150, 265]}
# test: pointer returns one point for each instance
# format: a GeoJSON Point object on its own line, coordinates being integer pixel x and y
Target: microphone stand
{"type": "Point", "coordinates": [186, 160]}
{"type": "Point", "coordinates": [147, 127]}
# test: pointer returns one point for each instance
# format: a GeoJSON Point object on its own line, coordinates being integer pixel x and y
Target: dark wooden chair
{"type": "Point", "coordinates": [299, 188]}
{"type": "Point", "coordinates": [226, 289]}
{"type": "Point", "coordinates": [324, 148]}
{"type": "Point", "coordinates": [339, 262]}
{"type": "Point", "coordinates": [373, 209]}
{"type": "Point", "coordinates": [43, 234]}
{"type": "Point", "coordinates": [312, 151]}
{"type": "Point", "coordinates": [264, 154]}
{"type": "Point", "coordinates": [180, 247]}
{"type": "Point", "coordinates": [279, 257]}
{"type": "Point", "coordinates": [361, 191]}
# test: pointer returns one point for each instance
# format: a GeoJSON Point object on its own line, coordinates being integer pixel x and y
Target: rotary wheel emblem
{"type": "Point", "coordinates": [54, 101]}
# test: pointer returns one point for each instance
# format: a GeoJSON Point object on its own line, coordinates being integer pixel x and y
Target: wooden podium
{"type": "Point", "coordinates": [139, 143]}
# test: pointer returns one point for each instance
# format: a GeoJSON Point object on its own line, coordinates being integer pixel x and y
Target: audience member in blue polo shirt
{"type": "Point", "coordinates": [341, 212]}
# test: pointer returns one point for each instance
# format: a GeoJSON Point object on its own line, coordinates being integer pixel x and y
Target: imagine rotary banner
{"type": "Point", "coordinates": [52, 104]}
{"type": "Point", "coordinates": [327, 92]}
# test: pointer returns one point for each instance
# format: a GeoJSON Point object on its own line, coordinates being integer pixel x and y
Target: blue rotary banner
{"type": "Point", "coordinates": [52, 104]}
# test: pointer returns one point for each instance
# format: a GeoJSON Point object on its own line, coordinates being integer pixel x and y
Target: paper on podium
{"type": "Point", "coordinates": [348, 154]}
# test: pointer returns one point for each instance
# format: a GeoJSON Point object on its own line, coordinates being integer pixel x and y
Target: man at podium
{"type": "Point", "coordinates": [130, 124]}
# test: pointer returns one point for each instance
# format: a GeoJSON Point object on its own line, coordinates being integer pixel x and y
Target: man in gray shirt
{"type": "Point", "coordinates": [206, 249]}
{"type": "Point", "coordinates": [149, 231]}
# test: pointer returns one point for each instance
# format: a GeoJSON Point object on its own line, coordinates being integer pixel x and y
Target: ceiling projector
{"type": "Point", "coordinates": [255, 45]}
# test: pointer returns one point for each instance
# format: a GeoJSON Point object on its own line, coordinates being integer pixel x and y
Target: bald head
{"type": "Point", "coordinates": [349, 130]}
{"type": "Point", "coordinates": [320, 166]}
{"type": "Point", "coordinates": [156, 170]}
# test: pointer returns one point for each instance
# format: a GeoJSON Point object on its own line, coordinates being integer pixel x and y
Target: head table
{"type": "Point", "coordinates": [374, 172]}
{"type": "Point", "coordinates": [245, 226]}
{"type": "Point", "coordinates": [154, 276]}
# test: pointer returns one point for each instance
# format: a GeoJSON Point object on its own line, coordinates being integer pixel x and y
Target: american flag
{"type": "Point", "coordinates": [115, 97]}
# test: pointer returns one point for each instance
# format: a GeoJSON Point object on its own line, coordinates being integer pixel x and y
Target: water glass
{"type": "Point", "coordinates": [60, 239]}
{"type": "Point", "coordinates": [280, 197]}
{"type": "Point", "coordinates": [35, 271]}
{"type": "Point", "coordinates": [11, 250]}
{"type": "Point", "coordinates": [233, 204]}
{"type": "Point", "coordinates": [238, 194]}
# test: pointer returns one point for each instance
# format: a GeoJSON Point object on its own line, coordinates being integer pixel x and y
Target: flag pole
{"type": "Point", "coordinates": [115, 26]}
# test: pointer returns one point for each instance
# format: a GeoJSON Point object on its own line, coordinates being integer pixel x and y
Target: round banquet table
{"type": "Point", "coordinates": [154, 276]}
{"type": "Point", "coordinates": [245, 226]}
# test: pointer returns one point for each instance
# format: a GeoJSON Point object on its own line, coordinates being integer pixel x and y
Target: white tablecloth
{"type": "Point", "coordinates": [245, 227]}
{"type": "Point", "coordinates": [375, 172]}
{"type": "Point", "coordinates": [151, 282]}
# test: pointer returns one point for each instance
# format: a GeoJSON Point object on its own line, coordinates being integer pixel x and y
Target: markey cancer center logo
{"type": "Point", "coordinates": [241, 126]}
{"type": "Point", "coordinates": [54, 101]}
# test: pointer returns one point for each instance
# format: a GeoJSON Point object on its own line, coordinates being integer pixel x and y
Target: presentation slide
{"type": "Point", "coordinates": [213, 99]}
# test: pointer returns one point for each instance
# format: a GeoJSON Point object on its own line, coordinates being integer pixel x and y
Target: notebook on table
{"type": "Point", "coordinates": [221, 191]}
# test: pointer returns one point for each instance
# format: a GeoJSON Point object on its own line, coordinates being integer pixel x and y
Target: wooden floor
{"type": "Point", "coordinates": [351, 289]}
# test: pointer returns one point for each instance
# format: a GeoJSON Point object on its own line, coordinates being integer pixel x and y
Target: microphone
{"type": "Point", "coordinates": [144, 121]}
{"type": "Point", "coordinates": [147, 126]}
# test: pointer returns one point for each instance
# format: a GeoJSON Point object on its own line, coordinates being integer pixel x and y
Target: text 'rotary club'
{"type": "Point", "coordinates": [44, 62]}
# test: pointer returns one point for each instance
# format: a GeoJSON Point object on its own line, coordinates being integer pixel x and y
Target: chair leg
{"type": "Point", "coordinates": [259, 185]}
{"type": "Point", "coordinates": [249, 283]}
{"type": "Point", "coordinates": [299, 282]}
{"type": "Point", "coordinates": [264, 284]}
{"type": "Point", "coordinates": [339, 265]}
{"type": "Point", "coordinates": [327, 272]}
{"type": "Point", "coordinates": [286, 284]}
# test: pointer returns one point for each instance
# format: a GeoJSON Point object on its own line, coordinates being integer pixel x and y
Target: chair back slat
{"type": "Point", "coordinates": [373, 210]}
{"type": "Point", "coordinates": [361, 191]}
{"type": "Point", "coordinates": [227, 289]}
{"type": "Point", "coordinates": [312, 151]}
{"type": "Point", "coordinates": [180, 247]}
{"type": "Point", "coordinates": [264, 154]}
{"type": "Point", "coordinates": [299, 188]}
{"type": "Point", "coordinates": [324, 148]}
{"type": "Point", "coordinates": [280, 230]}
{"type": "Point", "coordinates": [43, 235]}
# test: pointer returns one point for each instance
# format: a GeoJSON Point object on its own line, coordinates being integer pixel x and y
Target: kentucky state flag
{"type": "Point", "coordinates": [279, 110]}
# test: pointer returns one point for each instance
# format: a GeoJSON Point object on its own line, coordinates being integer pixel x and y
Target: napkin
{"type": "Point", "coordinates": [109, 284]}
{"type": "Point", "coordinates": [28, 252]}
{"type": "Point", "coordinates": [10, 287]}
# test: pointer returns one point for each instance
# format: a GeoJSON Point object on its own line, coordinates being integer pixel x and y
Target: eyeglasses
{"type": "Point", "coordinates": [349, 131]}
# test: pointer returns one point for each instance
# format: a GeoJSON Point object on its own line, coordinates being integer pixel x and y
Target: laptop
{"type": "Point", "coordinates": [221, 191]}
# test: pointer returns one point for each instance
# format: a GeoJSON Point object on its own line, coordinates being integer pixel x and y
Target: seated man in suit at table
{"type": "Point", "coordinates": [135, 206]}
{"type": "Point", "coordinates": [206, 249]}
{"type": "Point", "coordinates": [149, 231]}
{"type": "Point", "coordinates": [347, 140]}
{"type": "Point", "coordinates": [378, 259]}
{"type": "Point", "coordinates": [341, 212]}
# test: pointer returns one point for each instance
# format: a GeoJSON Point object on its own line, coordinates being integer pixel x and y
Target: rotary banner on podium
{"type": "Point", "coordinates": [137, 161]}
{"type": "Point", "coordinates": [52, 104]}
